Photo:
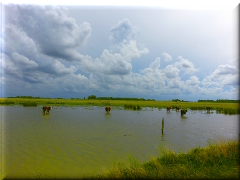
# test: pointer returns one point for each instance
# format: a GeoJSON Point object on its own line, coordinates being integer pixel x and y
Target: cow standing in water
{"type": "Point", "coordinates": [46, 108]}
{"type": "Point", "coordinates": [168, 109]}
{"type": "Point", "coordinates": [177, 108]}
{"type": "Point", "coordinates": [108, 109]}
{"type": "Point", "coordinates": [183, 112]}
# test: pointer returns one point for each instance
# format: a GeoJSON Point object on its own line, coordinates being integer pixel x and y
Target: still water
{"type": "Point", "coordinates": [73, 141]}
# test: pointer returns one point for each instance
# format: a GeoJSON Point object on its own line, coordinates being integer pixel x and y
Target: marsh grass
{"type": "Point", "coordinates": [6, 103]}
{"type": "Point", "coordinates": [226, 108]}
{"type": "Point", "coordinates": [220, 160]}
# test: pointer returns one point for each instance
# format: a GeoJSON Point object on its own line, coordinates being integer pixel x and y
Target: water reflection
{"type": "Point", "coordinates": [183, 117]}
{"type": "Point", "coordinates": [162, 137]}
{"type": "Point", "coordinates": [107, 115]}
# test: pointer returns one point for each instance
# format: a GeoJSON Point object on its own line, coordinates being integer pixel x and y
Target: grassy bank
{"type": "Point", "coordinates": [218, 160]}
{"type": "Point", "coordinates": [226, 108]}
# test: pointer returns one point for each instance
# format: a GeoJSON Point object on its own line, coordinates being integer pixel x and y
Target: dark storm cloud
{"type": "Point", "coordinates": [56, 34]}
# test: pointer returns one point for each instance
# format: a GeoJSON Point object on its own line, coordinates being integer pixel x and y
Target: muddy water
{"type": "Point", "coordinates": [73, 141]}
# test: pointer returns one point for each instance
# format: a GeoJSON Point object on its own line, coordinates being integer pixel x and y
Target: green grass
{"type": "Point", "coordinates": [217, 161]}
{"type": "Point", "coordinates": [226, 108]}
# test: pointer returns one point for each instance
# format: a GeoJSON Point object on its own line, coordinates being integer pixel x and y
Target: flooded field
{"type": "Point", "coordinates": [73, 141]}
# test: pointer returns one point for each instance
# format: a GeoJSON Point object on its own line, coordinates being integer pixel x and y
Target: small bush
{"type": "Point", "coordinates": [6, 103]}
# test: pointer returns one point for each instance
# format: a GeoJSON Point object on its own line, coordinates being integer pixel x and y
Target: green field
{"type": "Point", "coordinates": [220, 160]}
{"type": "Point", "coordinates": [226, 108]}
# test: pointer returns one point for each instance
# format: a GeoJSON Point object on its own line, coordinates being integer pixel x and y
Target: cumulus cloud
{"type": "Point", "coordinates": [193, 80]}
{"type": "Point", "coordinates": [56, 34]}
{"type": "Point", "coordinates": [171, 72]}
{"type": "Point", "coordinates": [222, 76]}
{"type": "Point", "coordinates": [56, 68]}
{"type": "Point", "coordinates": [174, 84]}
{"type": "Point", "coordinates": [225, 70]}
{"type": "Point", "coordinates": [155, 64]}
{"type": "Point", "coordinates": [185, 65]}
{"type": "Point", "coordinates": [108, 63]}
{"type": "Point", "coordinates": [167, 57]}
{"type": "Point", "coordinates": [132, 49]}
{"type": "Point", "coordinates": [16, 40]}
{"type": "Point", "coordinates": [23, 61]}
{"type": "Point", "coordinates": [123, 30]}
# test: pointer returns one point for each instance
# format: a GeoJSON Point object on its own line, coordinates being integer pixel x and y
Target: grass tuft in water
{"type": "Point", "coordinates": [131, 106]}
{"type": "Point", "coordinates": [29, 104]}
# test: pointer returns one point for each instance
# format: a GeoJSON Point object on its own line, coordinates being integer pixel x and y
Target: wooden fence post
{"type": "Point", "coordinates": [162, 124]}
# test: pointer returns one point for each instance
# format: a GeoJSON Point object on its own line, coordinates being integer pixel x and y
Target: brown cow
{"type": "Point", "coordinates": [108, 109]}
{"type": "Point", "coordinates": [168, 109]}
{"type": "Point", "coordinates": [46, 108]}
{"type": "Point", "coordinates": [177, 108]}
{"type": "Point", "coordinates": [183, 112]}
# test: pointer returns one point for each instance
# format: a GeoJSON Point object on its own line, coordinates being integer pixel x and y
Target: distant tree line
{"type": "Point", "coordinates": [92, 97]}
{"type": "Point", "coordinates": [176, 100]}
{"type": "Point", "coordinates": [227, 101]}
{"type": "Point", "coordinates": [206, 100]}
{"type": "Point", "coordinates": [124, 98]}
{"type": "Point", "coordinates": [221, 101]}
{"type": "Point", "coordinates": [118, 98]}
{"type": "Point", "coordinates": [31, 97]}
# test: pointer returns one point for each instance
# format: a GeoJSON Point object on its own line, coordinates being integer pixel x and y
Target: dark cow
{"type": "Point", "coordinates": [208, 108]}
{"type": "Point", "coordinates": [177, 108]}
{"type": "Point", "coordinates": [183, 112]}
{"type": "Point", "coordinates": [168, 108]}
{"type": "Point", "coordinates": [46, 108]}
{"type": "Point", "coordinates": [108, 109]}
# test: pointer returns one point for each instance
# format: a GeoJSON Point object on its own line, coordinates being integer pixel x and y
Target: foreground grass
{"type": "Point", "coordinates": [226, 108]}
{"type": "Point", "coordinates": [217, 161]}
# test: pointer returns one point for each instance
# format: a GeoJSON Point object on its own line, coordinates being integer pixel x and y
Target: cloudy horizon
{"type": "Point", "coordinates": [161, 54]}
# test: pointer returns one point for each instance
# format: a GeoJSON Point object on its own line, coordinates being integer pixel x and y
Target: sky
{"type": "Point", "coordinates": [161, 52]}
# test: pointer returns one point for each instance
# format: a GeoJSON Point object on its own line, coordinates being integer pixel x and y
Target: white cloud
{"type": "Point", "coordinates": [108, 63]}
{"type": "Point", "coordinates": [193, 80]}
{"type": "Point", "coordinates": [175, 84]}
{"type": "Point", "coordinates": [224, 75]}
{"type": "Point", "coordinates": [225, 70]}
{"type": "Point", "coordinates": [167, 57]}
{"type": "Point", "coordinates": [185, 65]}
{"type": "Point", "coordinates": [171, 72]}
{"type": "Point", "coordinates": [155, 65]}
{"type": "Point", "coordinates": [130, 49]}
{"type": "Point", "coordinates": [123, 30]}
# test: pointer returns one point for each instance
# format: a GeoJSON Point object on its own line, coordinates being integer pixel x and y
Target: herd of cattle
{"type": "Point", "coordinates": [108, 109]}
{"type": "Point", "coordinates": [184, 111]}
{"type": "Point", "coordinates": [46, 109]}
